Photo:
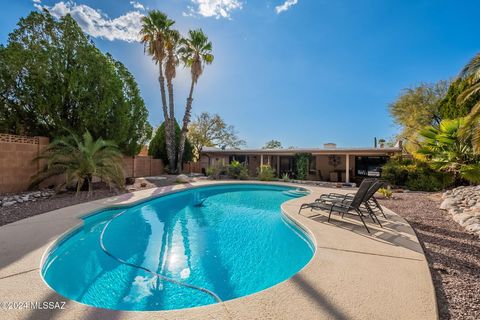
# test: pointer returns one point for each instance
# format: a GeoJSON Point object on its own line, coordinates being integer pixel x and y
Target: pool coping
{"type": "Point", "coordinates": [352, 275]}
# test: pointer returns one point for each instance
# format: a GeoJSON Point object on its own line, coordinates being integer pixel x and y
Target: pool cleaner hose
{"type": "Point", "coordinates": [160, 276]}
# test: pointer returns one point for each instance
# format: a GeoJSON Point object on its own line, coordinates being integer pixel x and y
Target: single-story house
{"type": "Point", "coordinates": [328, 163]}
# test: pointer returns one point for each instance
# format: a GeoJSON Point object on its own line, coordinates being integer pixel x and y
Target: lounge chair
{"type": "Point", "coordinates": [344, 205]}
{"type": "Point", "coordinates": [370, 203]}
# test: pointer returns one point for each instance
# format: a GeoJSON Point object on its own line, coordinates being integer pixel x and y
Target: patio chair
{"type": "Point", "coordinates": [370, 202]}
{"type": "Point", "coordinates": [343, 205]}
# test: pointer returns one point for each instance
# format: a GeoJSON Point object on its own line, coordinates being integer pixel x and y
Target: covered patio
{"type": "Point", "coordinates": [327, 164]}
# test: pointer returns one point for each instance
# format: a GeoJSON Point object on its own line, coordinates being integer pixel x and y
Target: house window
{"type": "Point", "coordinates": [369, 166]}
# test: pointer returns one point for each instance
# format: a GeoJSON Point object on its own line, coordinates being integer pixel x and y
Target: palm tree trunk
{"type": "Point", "coordinates": [171, 129]}
{"type": "Point", "coordinates": [186, 121]}
{"type": "Point", "coordinates": [169, 138]}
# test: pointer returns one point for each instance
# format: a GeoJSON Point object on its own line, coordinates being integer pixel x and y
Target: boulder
{"type": "Point", "coordinates": [448, 203]}
{"type": "Point", "coordinates": [461, 218]}
{"type": "Point", "coordinates": [181, 178]}
{"type": "Point", "coordinates": [474, 227]}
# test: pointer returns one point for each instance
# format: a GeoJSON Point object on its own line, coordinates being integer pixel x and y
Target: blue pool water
{"type": "Point", "coordinates": [237, 243]}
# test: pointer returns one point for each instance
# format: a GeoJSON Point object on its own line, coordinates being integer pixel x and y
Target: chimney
{"type": "Point", "coordinates": [329, 145]}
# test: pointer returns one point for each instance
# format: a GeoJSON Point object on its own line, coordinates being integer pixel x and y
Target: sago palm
{"type": "Point", "coordinates": [195, 51]}
{"type": "Point", "coordinates": [156, 38]}
{"type": "Point", "coordinates": [81, 159]}
{"type": "Point", "coordinates": [471, 74]}
{"type": "Point", "coordinates": [448, 151]}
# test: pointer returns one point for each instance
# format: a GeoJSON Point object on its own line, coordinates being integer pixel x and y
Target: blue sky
{"type": "Point", "coordinates": [304, 72]}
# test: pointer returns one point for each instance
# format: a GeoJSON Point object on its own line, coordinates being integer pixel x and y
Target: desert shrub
{"type": "Point", "coordinates": [386, 192]}
{"type": "Point", "coordinates": [415, 175]}
{"type": "Point", "coordinates": [285, 177]}
{"type": "Point", "coordinates": [215, 172]}
{"type": "Point", "coordinates": [396, 171]}
{"type": "Point", "coordinates": [237, 170]}
{"type": "Point", "coordinates": [265, 173]}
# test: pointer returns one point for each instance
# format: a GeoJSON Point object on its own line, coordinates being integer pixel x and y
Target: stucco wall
{"type": "Point", "coordinates": [17, 164]}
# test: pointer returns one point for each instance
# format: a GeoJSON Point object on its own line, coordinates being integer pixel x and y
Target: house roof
{"type": "Point", "coordinates": [353, 151]}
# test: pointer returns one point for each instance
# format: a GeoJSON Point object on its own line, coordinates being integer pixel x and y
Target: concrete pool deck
{"type": "Point", "coordinates": [353, 274]}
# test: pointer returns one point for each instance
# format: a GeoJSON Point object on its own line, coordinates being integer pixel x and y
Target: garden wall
{"type": "Point", "coordinates": [17, 164]}
{"type": "Point", "coordinates": [16, 161]}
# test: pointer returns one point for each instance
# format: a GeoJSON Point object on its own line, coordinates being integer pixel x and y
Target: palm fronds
{"type": "Point", "coordinates": [81, 159]}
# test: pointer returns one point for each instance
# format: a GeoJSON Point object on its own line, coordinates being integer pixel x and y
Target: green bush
{"type": "Point", "coordinates": [386, 192]}
{"type": "Point", "coordinates": [237, 170]}
{"type": "Point", "coordinates": [265, 173]}
{"type": "Point", "coordinates": [415, 176]}
{"type": "Point", "coordinates": [158, 146]}
{"type": "Point", "coordinates": [301, 165]}
{"type": "Point", "coordinates": [215, 172]}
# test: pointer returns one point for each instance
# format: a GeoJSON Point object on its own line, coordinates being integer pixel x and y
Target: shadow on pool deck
{"type": "Point", "coordinates": [395, 231]}
{"type": "Point", "coordinates": [320, 299]}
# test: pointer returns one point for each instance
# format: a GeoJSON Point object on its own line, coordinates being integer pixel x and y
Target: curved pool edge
{"type": "Point", "coordinates": [311, 293]}
{"type": "Point", "coordinates": [81, 216]}
{"type": "Point", "coordinates": [303, 233]}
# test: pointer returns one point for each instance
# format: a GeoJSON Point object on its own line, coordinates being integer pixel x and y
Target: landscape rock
{"type": "Point", "coordinates": [181, 178]}
{"type": "Point", "coordinates": [8, 203]}
{"type": "Point", "coordinates": [9, 200]}
{"type": "Point", "coordinates": [463, 203]}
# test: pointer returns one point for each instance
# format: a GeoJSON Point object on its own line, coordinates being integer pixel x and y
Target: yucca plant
{"type": "Point", "coordinates": [81, 159]}
{"type": "Point", "coordinates": [447, 150]}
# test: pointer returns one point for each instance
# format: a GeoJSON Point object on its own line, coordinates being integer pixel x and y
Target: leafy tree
{"type": "Point", "coordinates": [54, 80]}
{"type": "Point", "coordinates": [209, 130]}
{"type": "Point", "coordinates": [449, 152]}
{"type": "Point", "coordinates": [158, 145]}
{"type": "Point", "coordinates": [450, 107]}
{"type": "Point", "coordinates": [416, 108]}
{"type": "Point", "coordinates": [195, 51]}
{"type": "Point", "coordinates": [273, 144]}
{"type": "Point", "coordinates": [155, 34]}
{"type": "Point", "coordinates": [81, 159]}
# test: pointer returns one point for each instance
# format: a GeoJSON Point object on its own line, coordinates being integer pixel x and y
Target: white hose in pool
{"type": "Point", "coordinates": [102, 245]}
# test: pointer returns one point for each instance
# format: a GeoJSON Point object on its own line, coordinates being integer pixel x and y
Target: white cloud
{"type": "Point", "coordinates": [137, 5]}
{"type": "Point", "coordinates": [97, 24]}
{"type": "Point", "coordinates": [285, 6]}
{"type": "Point", "coordinates": [37, 1]}
{"type": "Point", "coordinates": [215, 8]}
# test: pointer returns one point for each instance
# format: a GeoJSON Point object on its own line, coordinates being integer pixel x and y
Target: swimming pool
{"type": "Point", "coordinates": [232, 240]}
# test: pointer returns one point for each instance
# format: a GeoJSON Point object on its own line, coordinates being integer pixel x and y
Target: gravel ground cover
{"type": "Point", "coordinates": [453, 254]}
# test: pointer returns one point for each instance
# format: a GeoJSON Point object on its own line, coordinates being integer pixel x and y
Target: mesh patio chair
{"type": "Point", "coordinates": [345, 205]}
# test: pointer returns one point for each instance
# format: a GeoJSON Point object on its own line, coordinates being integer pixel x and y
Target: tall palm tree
{"type": "Point", "coordinates": [172, 38]}
{"type": "Point", "coordinates": [81, 159]}
{"type": "Point", "coordinates": [155, 35]}
{"type": "Point", "coordinates": [471, 74]}
{"type": "Point", "coordinates": [195, 51]}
